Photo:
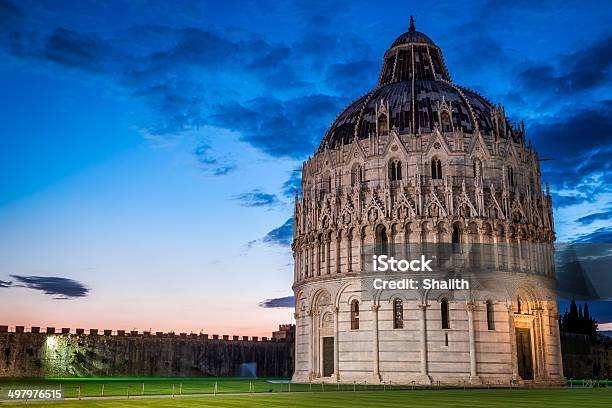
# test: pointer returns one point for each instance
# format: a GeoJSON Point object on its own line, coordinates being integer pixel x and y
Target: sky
{"type": "Point", "coordinates": [148, 149]}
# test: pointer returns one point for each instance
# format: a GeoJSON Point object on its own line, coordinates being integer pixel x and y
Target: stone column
{"type": "Point", "coordinates": [512, 334]}
{"type": "Point", "coordinates": [474, 378]}
{"type": "Point", "coordinates": [424, 376]}
{"type": "Point", "coordinates": [545, 330]}
{"type": "Point", "coordinates": [349, 252]}
{"type": "Point", "coordinates": [311, 356]}
{"type": "Point", "coordinates": [336, 342]}
{"type": "Point", "coordinates": [376, 368]}
{"type": "Point", "coordinates": [539, 344]}
{"type": "Point", "coordinates": [297, 317]}
{"type": "Point", "coordinates": [316, 344]}
{"type": "Point", "coordinates": [318, 257]}
{"type": "Point", "coordinates": [557, 334]}
{"type": "Point", "coordinates": [338, 252]}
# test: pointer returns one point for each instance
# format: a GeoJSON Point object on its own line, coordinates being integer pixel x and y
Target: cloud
{"type": "Point", "coordinates": [599, 236]}
{"type": "Point", "coordinates": [282, 302]}
{"type": "Point", "coordinates": [352, 77]}
{"type": "Point", "coordinates": [62, 288]}
{"type": "Point", "coordinates": [280, 128]}
{"type": "Point", "coordinates": [582, 70]}
{"type": "Point", "coordinates": [210, 163]}
{"type": "Point", "coordinates": [581, 169]}
{"type": "Point", "coordinates": [257, 198]}
{"type": "Point", "coordinates": [5, 284]}
{"type": "Point", "coordinates": [72, 49]}
{"type": "Point", "coordinates": [293, 184]}
{"type": "Point", "coordinates": [190, 77]}
{"type": "Point", "coordinates": [282, 235]}
{"type": "Point", "coordinates": [589, 219]}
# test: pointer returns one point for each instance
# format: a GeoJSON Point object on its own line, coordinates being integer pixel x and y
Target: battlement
{"type": "Point", "coordinates": [136, 333]}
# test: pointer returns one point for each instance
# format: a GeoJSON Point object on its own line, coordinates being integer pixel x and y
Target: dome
{"type": "Point", "coordinates": [413, 86]}
{"type": "Point", "coordinates": [412, 36]}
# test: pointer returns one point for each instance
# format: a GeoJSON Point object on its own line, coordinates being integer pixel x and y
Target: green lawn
{"type": "Point", "coordinates": [540, 398]}
{"type": "Point", "coordinates": [96, 387]}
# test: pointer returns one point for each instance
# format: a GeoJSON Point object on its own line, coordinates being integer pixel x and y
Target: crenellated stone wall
{"type": "Point", "coordinates": [117, 353]}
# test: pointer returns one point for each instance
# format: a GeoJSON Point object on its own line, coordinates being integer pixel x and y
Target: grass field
{"type": "Point", "coordinates": [266, 392]}
{"type": "Point", "coordinates": [540, 398]}
{"type": "Point", "coordinates": [98, 387]}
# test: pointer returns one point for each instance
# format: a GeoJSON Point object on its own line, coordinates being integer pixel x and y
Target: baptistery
{"type": "Point", "coordinates": [420, 160]}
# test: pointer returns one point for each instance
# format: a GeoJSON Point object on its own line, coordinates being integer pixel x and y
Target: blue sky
{"type": "Point", "coordinates": [147, 148]}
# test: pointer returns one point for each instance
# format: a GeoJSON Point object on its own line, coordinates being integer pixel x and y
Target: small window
{"type": "Point", "coordinates": [355, 315]}
{"type": "Point", "coordinates": [444, 313]}
{"type": "Point", "coordinates": [395, 170]}
{"type": "Point", "coordinates": [511, 176]}
{"type": "Point", "coordinates": [436, 169]}
{"type": "Point", "coordinates": [383, 126]}
{"type": "Point", "coordinates": [398, 314]}
{"type": "Point", "coordinates": [382, 241]}
{"type": "Point", "coordinates": [446, 122]}
{"type": "Point", "coordinates": [490, 315]}
{"type": "Point", "coordinates": [456, 237]}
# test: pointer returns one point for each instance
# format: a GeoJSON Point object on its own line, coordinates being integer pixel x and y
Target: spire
{"type": "Point", "coordinates": [411, 29]}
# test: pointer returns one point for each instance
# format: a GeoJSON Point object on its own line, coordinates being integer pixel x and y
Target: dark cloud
{"type": "Point", "coordinates": [589, 219]}
{"type": "Point", "coordinates": [320, 46]}
{"type": "Point", "coordinates": [210, 163]}
{"type": "Point", "coordinates": [5, 284]}
{"type": "Point", "coordinates": [293, 184]}
{"type": "Point", "coordinates": [62, 288]}
{"type": "Point", "coordinates": [560, 200]}
{"type": "Point", "coordinates": [288, 128]}
{"type": "Point", "coordinates": [9, 11]}
{"type": "Point", "coordinates": [581, 70]}
{"type": "Point", "coordinates": [257, 198]}
{"type": "Point", "coordinates": [224, 170]}
{"type": "Point", "coordinates": [72, 49]}
{"type": "Point", "coordinates": [599, 236]}
{"type": "Point", "coordinates": [171, 69]}
{"type": "Point", "coordinates": [282, 235]}
{"type": "Point", "coordinates": [352, 77]}
{"type": "Point", "coordinates": [282, 302]}
{"type": "Point", "coordinates": [581, 164]}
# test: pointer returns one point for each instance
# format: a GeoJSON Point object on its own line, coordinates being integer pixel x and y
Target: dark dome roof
{"type": "Point", "coordinates": [359, 118]}
{"type": "Point", "coordinates": [412, 37]}
{"type": "Point", "coordinates": [413, 83]}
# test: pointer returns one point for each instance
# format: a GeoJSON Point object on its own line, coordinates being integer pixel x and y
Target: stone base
{"type": "Point", "coordinates": [423, 379]}
{"type": "Point", "coordinates": [299, 378]}
{"type": "Point", "coordinates": [374, 379]}
{"type": "Point", "coordinates": [475, 380]}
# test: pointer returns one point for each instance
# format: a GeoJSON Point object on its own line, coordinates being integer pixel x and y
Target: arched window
{"type": "Point", "coordinates": [456, 236]}
{"type": "Point", "coordinates": [355, 314]}
{"type": "Point", "coordinates": [395, 170]}
{"type": "Point", "coordinates": [382, 240]}
{"type": "Point", "coordinates": [326, 187]}
{"type": "Point", "coordinates": [357, 175]}
{"type": "Point", "coordinates": [436, 169]}
{"type": "Point", "coordinates": [398, 314]}
{"type": "Point", "coordinates": [477, 168]}
{"type": "Point", "coordinates": [446, 122]}
{"type": "Point", "coordinates": [383, 125]}
{"type": "Point", "coordinates": [510, 176]}
{"type": "Point", "coordinates": [444, 313]}
{"type": "Point", "coordinates": [490, 315]}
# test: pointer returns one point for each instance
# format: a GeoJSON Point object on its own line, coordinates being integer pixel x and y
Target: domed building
{"type": "Point", "coordinates": [419, 160]}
